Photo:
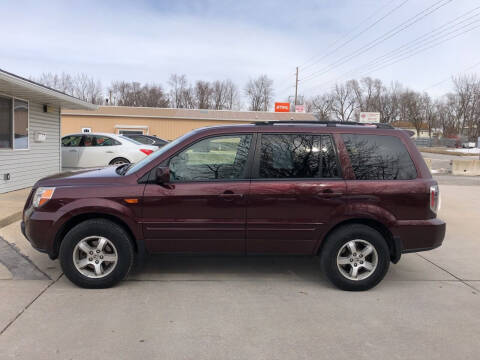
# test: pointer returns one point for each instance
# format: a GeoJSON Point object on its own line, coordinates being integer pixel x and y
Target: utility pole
{"type": "Point", "coordinates": [296, 86]}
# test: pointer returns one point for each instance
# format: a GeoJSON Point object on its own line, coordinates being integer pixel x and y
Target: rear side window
{"type": "Point", "coordinates": [284, 156]}
{"type": "Point", "coordinates": [376, 157]}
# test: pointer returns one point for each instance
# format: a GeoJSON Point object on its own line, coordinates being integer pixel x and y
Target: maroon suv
{"type": "Point", "coordinates": [356, 195]}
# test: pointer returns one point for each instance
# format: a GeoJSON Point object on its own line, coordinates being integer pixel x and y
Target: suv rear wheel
{"type": "Point", "coordinates": [96, 253]}
{"type": "Point", "coordinates": [355, 257]}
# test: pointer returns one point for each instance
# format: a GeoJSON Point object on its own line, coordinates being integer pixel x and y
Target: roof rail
{"type": "Point", "coordinates": [327, 123]}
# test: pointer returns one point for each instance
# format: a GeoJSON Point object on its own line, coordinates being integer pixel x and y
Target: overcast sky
{"type": "Point", "coordinates": [147, 41]}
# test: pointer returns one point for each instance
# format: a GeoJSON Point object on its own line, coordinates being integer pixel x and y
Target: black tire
{"type": "Point", "coordinates": [119, 161]}
{"type": "Point", "coordinates": [104, 228]}
{"type": "Point", "coordinates": [334, 243]}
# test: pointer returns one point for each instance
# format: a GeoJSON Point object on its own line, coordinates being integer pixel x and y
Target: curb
{"type": "Point", "coordinates": [10, 219]}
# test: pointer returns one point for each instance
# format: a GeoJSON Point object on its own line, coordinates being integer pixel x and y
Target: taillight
{"type": "Point", "coordinates": [434, 198]}
{"type": "Point", "coordinates": [146, 151]}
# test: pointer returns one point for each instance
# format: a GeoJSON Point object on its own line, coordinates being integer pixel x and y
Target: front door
{"type": "Point", "coordinates": [296, 188]}
{"type": "Point", "coordinates": [203, 209]}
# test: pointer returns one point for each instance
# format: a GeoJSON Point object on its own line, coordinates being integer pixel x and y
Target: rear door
{"type": "Point", "coordinates": [296, 188]}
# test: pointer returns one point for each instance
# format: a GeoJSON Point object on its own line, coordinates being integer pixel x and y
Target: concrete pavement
{"type": "Point", "coordinates": [428, 306]}
{"type": "Point", "coordinates": [12, 206]}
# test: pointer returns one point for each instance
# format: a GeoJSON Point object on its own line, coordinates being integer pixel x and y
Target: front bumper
{"type": "Point", "coordinates": [419, 235]}
{"type": "Point", "coordinates": [38, 229]}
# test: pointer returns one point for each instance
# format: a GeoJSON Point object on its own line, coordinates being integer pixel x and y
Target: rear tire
{"type": "Point", "coordinates": [355, 257]}
{"type": "Point", "coordinates": [96, 254]}
{"type": "Point", "coordinates": [119, 161]}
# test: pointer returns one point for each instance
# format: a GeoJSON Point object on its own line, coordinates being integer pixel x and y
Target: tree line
{"type": "Point", "coordinates": [457, 112]}
{"type": "Point", "coordinates": [179, 93]}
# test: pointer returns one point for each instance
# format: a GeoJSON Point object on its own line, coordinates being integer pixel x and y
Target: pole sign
{"type": "Point", "coordinates": [282, 107]}
{"type": "Point", "coordinates": [369, 117]}
{"type": "Point", "coordinates": [299, 108]}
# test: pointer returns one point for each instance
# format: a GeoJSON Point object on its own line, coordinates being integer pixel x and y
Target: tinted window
{"type": "Point", "coordinates": [375, 157]}
{"type": "Point", "coordinates": [73, 140]}
{"type": "Point", "coordinates": [142, 139]}
{"type": "Point", "coordinates": [297, 156]}
{"type": "Point", "coordinates": [104, 141]}
{"type": "Point", "coordinates": [222, 157]}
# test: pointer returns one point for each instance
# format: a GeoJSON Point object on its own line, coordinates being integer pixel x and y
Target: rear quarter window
{"type": "Point", "coordinates": [379, 157]}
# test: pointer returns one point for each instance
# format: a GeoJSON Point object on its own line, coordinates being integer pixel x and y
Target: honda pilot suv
{"type": "Point", "coordinates": [356, 195]}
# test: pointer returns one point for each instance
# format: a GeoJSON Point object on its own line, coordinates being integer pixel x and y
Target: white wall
{"type": "Point", "coordinates": [41, 159]}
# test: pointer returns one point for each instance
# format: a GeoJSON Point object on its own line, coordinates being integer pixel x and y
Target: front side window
{"type": "Point", "coordinates": [216, 158]}
{"type": "Point", "coordinates": [375, 157]}
{"type": "Point", "coordinates": [71, 140]}
{"type": "Point", "coordinates": [295, 156]}
{"type": "Point", "coordinates": [13, 123]}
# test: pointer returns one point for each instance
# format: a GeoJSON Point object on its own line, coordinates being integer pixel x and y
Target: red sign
{"type": "Point", "coordinates": [282, 107]}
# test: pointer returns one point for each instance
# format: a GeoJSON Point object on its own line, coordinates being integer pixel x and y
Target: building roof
{"type": "Point", "coordinates": [189, 114]}
{"type": "Point", "coordinates": [17, 86]}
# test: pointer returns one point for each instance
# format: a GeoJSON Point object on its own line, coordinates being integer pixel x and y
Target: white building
{"type": "Point", "coordinates": [30, 130]}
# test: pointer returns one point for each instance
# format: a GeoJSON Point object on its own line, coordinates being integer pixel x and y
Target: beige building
{"type": "Point", "coordinates": [165, 123]}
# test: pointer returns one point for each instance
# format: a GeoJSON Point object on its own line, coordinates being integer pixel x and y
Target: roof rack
{"type": "Point", "coordinates": [327, 123]}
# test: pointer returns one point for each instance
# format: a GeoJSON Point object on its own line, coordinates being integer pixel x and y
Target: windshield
{"type": "Point", "coordinates": [137, 166]}
{"type": "Point", "coordinates": [128, 139]}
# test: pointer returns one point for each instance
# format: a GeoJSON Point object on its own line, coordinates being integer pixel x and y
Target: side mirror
{"type": "Point", "coordinates": [162, 175]}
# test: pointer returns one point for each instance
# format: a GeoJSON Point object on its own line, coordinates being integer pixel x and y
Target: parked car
{"type": "Point", "coordinates": [357, 196]}
{"type": "Point", "coordinates": [98, 149]}
{"type": "Point", "coordinates": [147, 139]}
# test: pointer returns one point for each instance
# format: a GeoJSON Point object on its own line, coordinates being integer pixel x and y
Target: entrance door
{"type": "Point", "coordinates": [295, 189]}
{"type": "Point", "coordinates": [203, 209]}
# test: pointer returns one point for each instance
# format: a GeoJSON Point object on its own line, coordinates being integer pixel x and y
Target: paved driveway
{"type": "Point", "coordinates": [428, 307]}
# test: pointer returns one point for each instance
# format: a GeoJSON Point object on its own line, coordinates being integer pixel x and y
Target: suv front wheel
{"type": "Point", "coordinates": [96, 253]}
{"type": "Point", "coordinates": [355, 257]}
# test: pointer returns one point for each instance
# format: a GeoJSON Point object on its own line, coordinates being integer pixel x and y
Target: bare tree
{"type": "Point", "coordinates": [343, 101]}
{"type": "Point", "coordinates": [203, 94]}
{"type": "Point", "coordinates": [259, 92]}
{"type": "Point", "coordinates": [321, 106]}
{"type": "Point", "coordinates": [135, 94]}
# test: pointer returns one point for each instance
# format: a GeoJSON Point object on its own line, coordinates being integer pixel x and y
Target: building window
{"type": "Point", "coordinates": [13, 123]}
{"type": "Point", "coordinates": [130, 132]}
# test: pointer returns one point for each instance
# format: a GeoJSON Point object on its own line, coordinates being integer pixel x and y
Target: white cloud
{"type": "Point", "coordinates": [216, 40]}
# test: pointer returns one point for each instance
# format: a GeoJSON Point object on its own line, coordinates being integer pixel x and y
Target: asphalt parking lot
{"type": "Point", "coordinates": [428, 306]}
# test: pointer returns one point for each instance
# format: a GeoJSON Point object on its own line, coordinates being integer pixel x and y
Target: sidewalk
{"type": "Point", "coordinates": [11, 206]}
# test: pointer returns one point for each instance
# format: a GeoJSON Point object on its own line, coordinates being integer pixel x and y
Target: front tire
{"type": "Point", "coordinates": [355, 257]}
{"type": "Point", "coordinates": [96, 254]}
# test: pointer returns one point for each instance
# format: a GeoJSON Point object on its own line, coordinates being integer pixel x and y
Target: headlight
{"type": "Point", "coordinates": [42, 195]}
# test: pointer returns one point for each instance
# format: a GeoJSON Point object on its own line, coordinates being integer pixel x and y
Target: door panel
{"type": "Point", "coordinates": [296, 191]}
{"type": "Point", "coordinates": [289, 216]}
{"type": "Point", "coordinates": [203, 208]}
{"type": "Point", "coordinates": [195, 217]}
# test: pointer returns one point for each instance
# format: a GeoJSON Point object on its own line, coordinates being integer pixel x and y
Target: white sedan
{"type": "Point", "coordinates": [99, 149]}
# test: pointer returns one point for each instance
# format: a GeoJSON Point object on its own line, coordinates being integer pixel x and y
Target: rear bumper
{"type": "Point", "coordinates": [419, 235]}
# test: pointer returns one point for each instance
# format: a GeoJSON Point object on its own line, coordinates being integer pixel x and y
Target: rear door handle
{"type": "Point", "coordinates": [72, 150]}
{"type": "Point", "coordinates": [109, 152]}
{"type": "Point", "coordinates": [329, 193]}
{"type": "Point", "coordinates": [229, 195]}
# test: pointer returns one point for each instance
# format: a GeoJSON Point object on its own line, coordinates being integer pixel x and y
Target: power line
{"type": "Point", "coordinates": [422, 50]}
{"type": "Point", "coordinates": [449, 78]}
{"type": "Point", "coordinates": [304, 66]}
{"type": "Point", "coordinates": [397, 29]}
{"type": "Point", "coordinates": [422, 40]}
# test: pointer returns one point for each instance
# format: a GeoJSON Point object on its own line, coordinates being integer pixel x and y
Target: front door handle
{"type": "Point", "coordinates": [72, 150]}
{"type": "Point", "coordinates": [109, 152]}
